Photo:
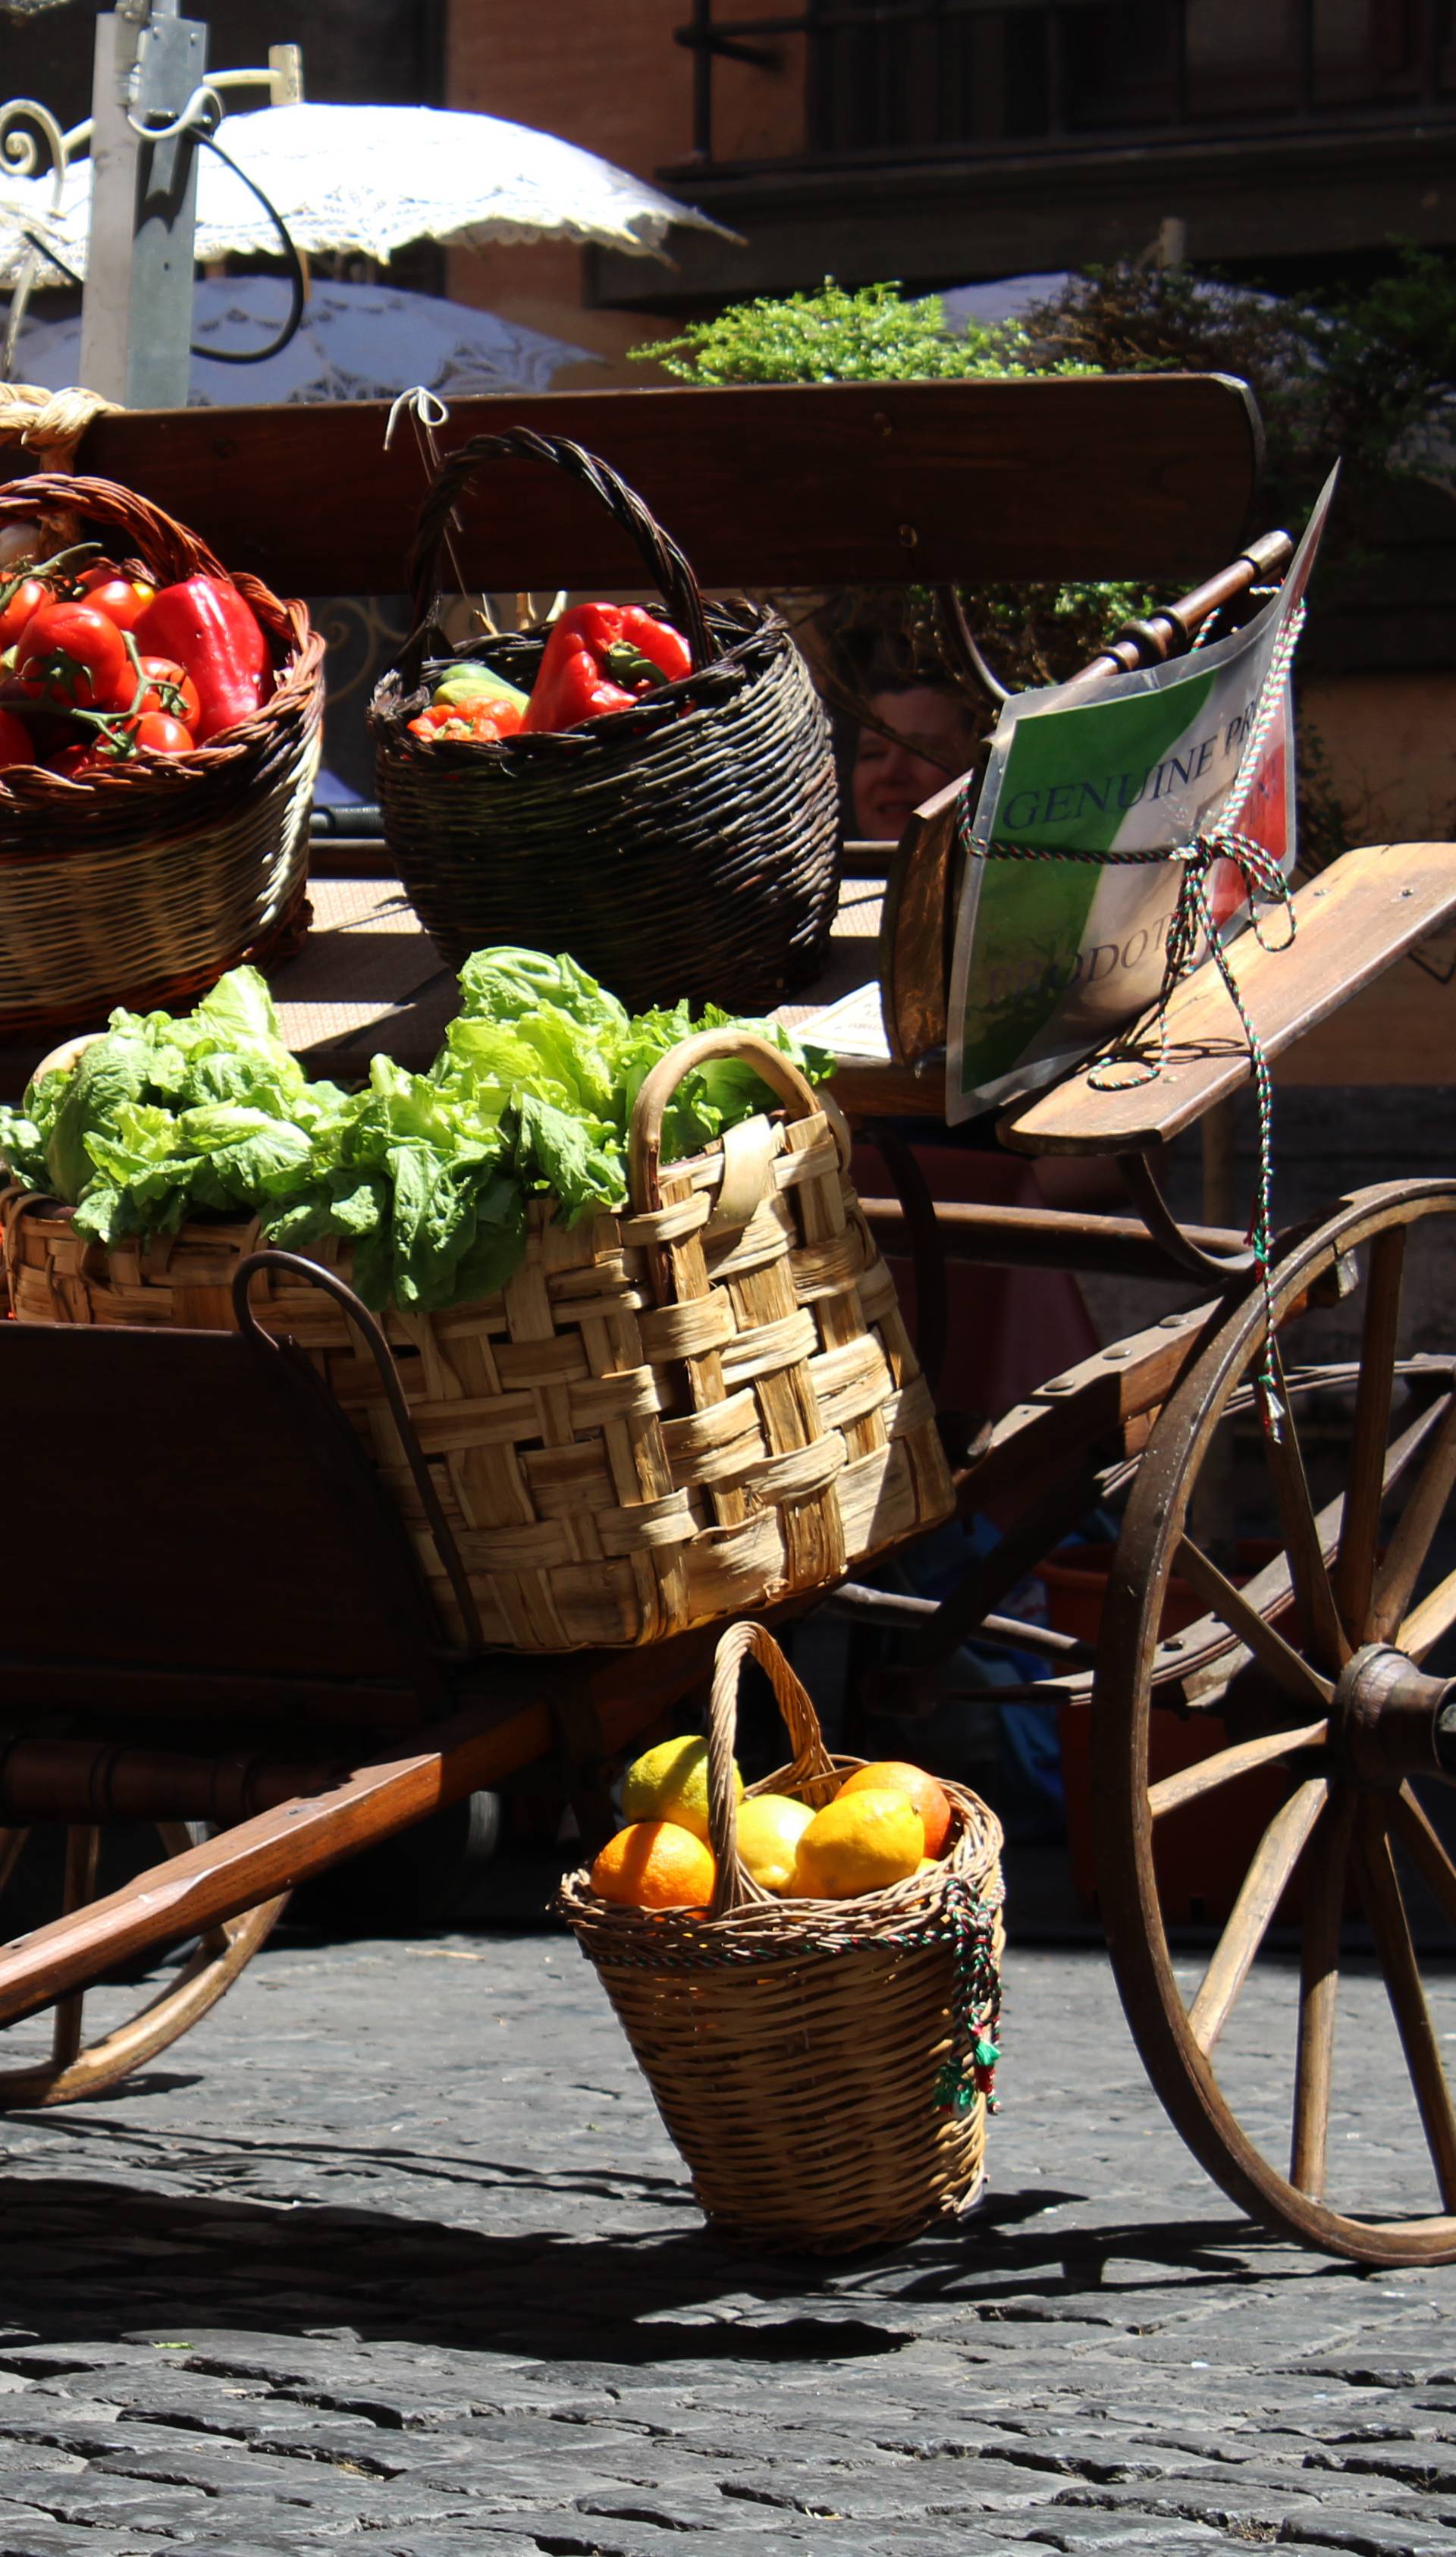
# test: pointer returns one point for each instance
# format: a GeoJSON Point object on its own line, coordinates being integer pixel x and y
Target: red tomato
{"type": "Point", "coordinates": [160, 733]}
{"type": "Point", "coordinates": [70, 653]}
{"type": "Point", "coordinates": [24, 603]}
{"type": "Point", "coordinates": [123, 599]}
{"type": "Point", "coordinates": [73, 763]}
{"type": "Point", "coordinates": [170, 688]}
{"type": "Point", "coordinates": [15, 745]}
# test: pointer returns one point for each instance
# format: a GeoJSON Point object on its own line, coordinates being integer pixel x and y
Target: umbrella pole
{"type": "Point", "coordinates": [136, 309]}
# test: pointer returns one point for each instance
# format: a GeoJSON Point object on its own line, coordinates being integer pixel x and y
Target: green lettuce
{"type": "Point", "coordinates": [427, 1176]}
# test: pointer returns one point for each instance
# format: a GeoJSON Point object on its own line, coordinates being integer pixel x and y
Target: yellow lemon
{"type": "Point", "coordinates": [670, 1783]}
{"type": "Point", "coordinates": [859, 1842]}
{"type": "Point", "coordinates": [770, 1827]}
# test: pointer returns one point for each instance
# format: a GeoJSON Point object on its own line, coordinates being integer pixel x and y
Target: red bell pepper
{"type": "Point", "coordinates": [206, 626]}
{"type": "Point", "coordinates": [603, 658]}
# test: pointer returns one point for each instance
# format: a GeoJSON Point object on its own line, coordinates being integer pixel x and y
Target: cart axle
{"type": "Point", "coordinates": [1390, 1720]}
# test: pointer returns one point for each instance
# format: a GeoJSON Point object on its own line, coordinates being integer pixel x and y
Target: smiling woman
{"type": "Point", "coordinates": [934, 739]}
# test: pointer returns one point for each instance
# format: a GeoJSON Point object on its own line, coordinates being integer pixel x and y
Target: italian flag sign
{"type": "Point", "coordinates": [1053, 955]}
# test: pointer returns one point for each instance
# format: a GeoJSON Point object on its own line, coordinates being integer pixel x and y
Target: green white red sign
{"type": "Point", "coordinates": [1053, 953]}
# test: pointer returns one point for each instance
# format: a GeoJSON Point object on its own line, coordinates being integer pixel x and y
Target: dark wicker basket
{"type": "Point", "coordinates": [685, 847]}
{"type": "Point", "coordinates": [142, 885]}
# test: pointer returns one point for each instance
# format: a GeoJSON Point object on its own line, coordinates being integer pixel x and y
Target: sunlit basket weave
{"type": "Point", "coordinates": [698, 1408]}
{"type": "Point", "coordinates": [143, 884]}
{"type": "Point", "coordinates": [687, 847]}
{"type": "Point", "coordinates": [822, 2065]}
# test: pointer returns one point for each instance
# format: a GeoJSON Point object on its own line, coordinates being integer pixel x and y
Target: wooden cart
{"type": "Point", "coordinates": [229, 1629]}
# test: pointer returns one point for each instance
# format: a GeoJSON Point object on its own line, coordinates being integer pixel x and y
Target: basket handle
{"type": "Point", "coordinates": [152, 533]}
{"type": "Point", "coordinates": [748, 1048]}
{"type": "Point", "coordinates": [735, 1886]}
{"type": "Point", "coordinates": [660, 555]}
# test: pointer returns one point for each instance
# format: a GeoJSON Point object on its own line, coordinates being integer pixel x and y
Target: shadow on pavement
{"type": "Point", "coordinates": [98, 2259]}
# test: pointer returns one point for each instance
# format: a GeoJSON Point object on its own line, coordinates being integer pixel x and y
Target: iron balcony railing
{"type": "Point", "coordinates": [918, 78]}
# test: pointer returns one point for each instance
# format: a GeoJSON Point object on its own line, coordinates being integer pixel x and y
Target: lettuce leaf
{"type": "Point", "coordinates": [427, 1176]}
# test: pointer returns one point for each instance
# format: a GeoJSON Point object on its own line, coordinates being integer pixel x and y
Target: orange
{"type": "Point", "coordinates": [655, 1864]}
{"type": "Point", "coordinates": [896, 1776]}
{"type": "Point", "coordinates": [859, 1842]}
{"type": "Point", "coordinates": [770, 1827]}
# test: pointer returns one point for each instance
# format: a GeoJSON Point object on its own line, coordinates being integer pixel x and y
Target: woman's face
{"type": "Point", "coordinates": [932, 744]}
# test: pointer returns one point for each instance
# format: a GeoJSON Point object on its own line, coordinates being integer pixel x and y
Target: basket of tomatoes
{"type": "Point", "coordinates": [159, 727]}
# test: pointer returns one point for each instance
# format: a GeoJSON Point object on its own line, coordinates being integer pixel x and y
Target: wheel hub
{"type": "Point", "coordinates": [1389, 1720]}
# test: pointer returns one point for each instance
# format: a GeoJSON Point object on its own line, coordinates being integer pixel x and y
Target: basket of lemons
{"type": "Point", "coordinates": [808, 1974]}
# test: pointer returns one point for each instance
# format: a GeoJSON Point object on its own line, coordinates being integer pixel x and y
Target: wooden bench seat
{"type": "Point", "coordinates": [1352, 922]}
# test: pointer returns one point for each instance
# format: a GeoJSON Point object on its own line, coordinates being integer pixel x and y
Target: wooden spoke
{"type": "Point", "coordinates": [1360, 1527]}
{"type": "Point", "coordinates": [1319, 1981]}
{"type": "Point", "coordinates": [1323, 1632]}
{"type": "Point", "coordinates": [1206, 1775]}
{"type": "Point", "coordinates": [1420, 1521]}
{"type": "Point", "coordinates": [1200, 1660]}
{"type": "Point", "coordinates": [82, 1856]}
{"type": "Point", "coordinates": [1381, 1892]}
{"type": "Point", "coordinates": [1426, 1851]}
{"type": "Point", "coordinates": [1284, 1662]}
{"type": "Point", "coordinates": [1425, 1624]}
{"type": "Point", "coordinates": [1277, 1853]}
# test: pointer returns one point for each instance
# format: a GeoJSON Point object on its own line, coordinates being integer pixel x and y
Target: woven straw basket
{"type": "Point", "coordinates": [822, 2065]}
{"type": "Point", "coordinates": [143, 884]}
{"type": "Point", "coordinates": [685, 847]}
{"type": "Point", "coordinates": [702, 1407]}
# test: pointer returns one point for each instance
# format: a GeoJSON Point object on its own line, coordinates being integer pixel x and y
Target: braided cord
{"type": "Point", "coordinates": [1192, 930]}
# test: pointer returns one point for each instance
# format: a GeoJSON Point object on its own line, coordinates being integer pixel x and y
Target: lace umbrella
{"type": "Point", "coordinates": [354, 342]}
{"type": "Point", "coordinates": [368, 180]}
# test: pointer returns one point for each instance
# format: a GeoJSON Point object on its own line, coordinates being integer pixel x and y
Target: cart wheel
{"type": "Point", "coordinates": [1325, 1726]}
{"type": "Point", "coordinates": [77, 2068]}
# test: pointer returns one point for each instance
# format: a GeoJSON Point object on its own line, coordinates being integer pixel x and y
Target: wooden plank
{"type": "Point", "coordinates": [1352, 921]}
{"type": "Point", "coordinates": [489, 1739]}
{"type": "Point", "coordinates": [1143, 476]}
{"type": "Point", "coordinates": [1088, 1404]}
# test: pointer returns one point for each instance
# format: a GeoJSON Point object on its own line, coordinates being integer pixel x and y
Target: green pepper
{"type": "Point", "coordinates": [469, 681]}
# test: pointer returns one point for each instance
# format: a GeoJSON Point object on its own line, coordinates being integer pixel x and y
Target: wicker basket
{"type": "Point", "coordinates": [143, 884]}
{"type": "Point", "coordinates": [698, 1408]}
{"type": "Point", "coordinates": [688, 847]}
{"type": "Point", "coordinates": [823, 2066]}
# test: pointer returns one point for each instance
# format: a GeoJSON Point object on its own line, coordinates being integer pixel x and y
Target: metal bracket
{"type": "Point", "coordinates": [1165, 1230]}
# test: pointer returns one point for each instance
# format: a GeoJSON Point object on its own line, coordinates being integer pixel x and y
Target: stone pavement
{"type": "Point", "coordinates": [394, 2253]}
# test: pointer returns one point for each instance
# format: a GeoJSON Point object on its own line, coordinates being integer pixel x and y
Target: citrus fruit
{"type": "Point", "coordinates": [897, 1776]}
{"type": "Point", "coordinates": [859, 1842]}
{"type": "Point", "coordinates": [770, 1827]}
{"type": "Point", "coordinates": [655, 1864]}
{"type": "Point", "coordinates": [670, 1783]}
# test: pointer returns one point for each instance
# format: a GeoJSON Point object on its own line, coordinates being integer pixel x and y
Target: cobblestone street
{"type": "Point", "coordinates": [394, 2249]}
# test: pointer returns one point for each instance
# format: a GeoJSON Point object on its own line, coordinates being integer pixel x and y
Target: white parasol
{"type": "Point", "coordinates": [354, 342]}
{"type": "Point", "coordinates": [368, 180]}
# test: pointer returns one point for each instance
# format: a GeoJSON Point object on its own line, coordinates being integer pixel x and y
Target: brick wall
{"type": "Point", "coordinates": [612, 80]}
